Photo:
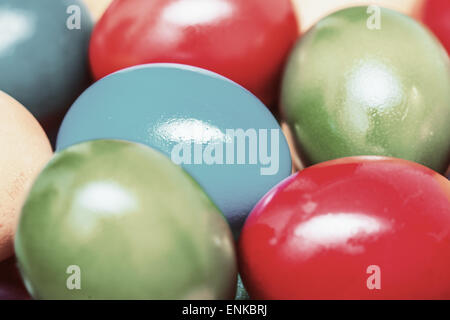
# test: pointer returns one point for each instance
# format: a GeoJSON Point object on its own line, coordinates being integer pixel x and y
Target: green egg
{"type": "Point", "coordinates": [369, 81]}
{"type": "Point", "coordinates": [110, 219]}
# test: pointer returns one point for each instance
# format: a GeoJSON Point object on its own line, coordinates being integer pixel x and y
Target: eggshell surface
{"type": "Point", "coordinates": [24, 150]}
{"type": "Point", "coordinates": [177, 110]}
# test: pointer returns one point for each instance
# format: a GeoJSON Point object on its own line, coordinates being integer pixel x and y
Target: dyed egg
{"type": "Point", "coordinates": [436, 15]}
{"type": "Point", "coordinates": [388, 95]}
{"type": "Point", "coordinates": [11, 285]}
{"type": "Point", "coordinates": [97, 7]}
{"type": "Point", "coordinates": [25, 150]}
{"type": "Point", "coordinates": [44, 54]}
{"type": "Point", "coordinates": [247, 41]}
{"type": "Point", "coordinates": [121, 221]}
{"type": "Point", "coordinates": [353, 228]}
{"type": "Point", "coordinates": [218, 131]}
{"type": "Point", "coordinates": [311, 11]}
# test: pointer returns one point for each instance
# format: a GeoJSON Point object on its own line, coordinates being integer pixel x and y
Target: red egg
{"type": "Point", "coordinates": [436, 15]}
{"type": "Point", "coordinates": [352, 228]}
{"type": "Point", "coordinates": [246, 41]}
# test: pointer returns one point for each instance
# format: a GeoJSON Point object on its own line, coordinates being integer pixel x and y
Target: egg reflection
{"type": "Point", "coordinates": [15, 26]}
{"type": "Point", "coordinates": [340, 231]}
{"type": "Point", "coordinates": [189, 130]}
{"type": "Point", "coordinates": [193, 12]}
{"type": "Point", "coordinates": [100, 200]}
{"type": "Point", "coordinates": [374, 85]}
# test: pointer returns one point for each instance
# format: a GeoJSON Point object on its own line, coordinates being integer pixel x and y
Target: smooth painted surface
{"type": "Point", "coordinates": [44, 64]}
{"type": "Point", "coordinates": [349, 90]}
{"type": "Point", "coordinates": [246, 41]}
{"type": "Point", "coordinates": [167, 105]}
{"type": "Point", "coordinates": [136, 225]}
{"type": "Point", "coordinates": [322, 232]}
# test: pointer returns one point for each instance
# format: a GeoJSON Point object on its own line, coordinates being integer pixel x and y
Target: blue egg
{"type": "Point", "coordinates": [44, 53]}
{"type": "Point", "coordinates": [215, 129]}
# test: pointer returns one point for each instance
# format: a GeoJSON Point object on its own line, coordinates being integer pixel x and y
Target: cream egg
{"type": "Point", "coordinates": [97, 7]}
{"type": "Point", "coordinates": [24, 151]}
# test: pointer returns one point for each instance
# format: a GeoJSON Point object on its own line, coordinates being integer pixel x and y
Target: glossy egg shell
{"type": "Point", "coordinates": [135, 225]}
{"type": "Point", "coordinates": [43, 63]}
{"type": "Point", "coordinates": [24, 151]}
{"type": "Point", "coordinates": [246, 41]}
{"type": "Point", "coordinates": [388, 95]}
{"type": "Point", "coordinates": [318, 233]}
{"type": "Point", "coordinates": [166, 105]}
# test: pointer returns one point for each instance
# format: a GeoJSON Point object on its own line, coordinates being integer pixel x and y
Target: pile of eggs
{"type": "Point", "coordinates": [188, 149]}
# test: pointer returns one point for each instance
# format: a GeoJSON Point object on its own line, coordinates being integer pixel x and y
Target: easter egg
{"type": "Point", "coordinates": [310, 12]}
{"type": "Point", "coordinates": [97, 7]}
{"type": "Point", "coordinates": [44, 54]}
{"type": "Point", "coordinates": [386, 95]}
{"type": "Point", "coordinates": [11, 285]}
{"type": "Point", "coordinates": [246, 41]}
{"type": "Point", "coordinates": [436, 15]}
{"type": "Point", "coordinates": [218, 131]}
{"type": "Point", "coordinates": [24, 151]}
{"type": "Point", "coordinates": [352, 228]}
{"type": "Point", "coordinates": [110, 219]}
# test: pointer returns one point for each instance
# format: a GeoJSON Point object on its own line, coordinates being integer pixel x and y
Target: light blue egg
{"type": "Point", "coordinates": [178, 110]}
{"type": "Point", "coordinates": [44, 53]}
